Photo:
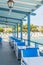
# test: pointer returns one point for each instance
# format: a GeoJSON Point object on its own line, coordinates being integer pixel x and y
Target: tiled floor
{"type": "Point", "coordinates": [7, 56]}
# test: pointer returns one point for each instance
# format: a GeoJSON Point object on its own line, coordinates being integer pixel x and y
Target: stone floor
{"type": "Point", "coordinates": [7, 56]}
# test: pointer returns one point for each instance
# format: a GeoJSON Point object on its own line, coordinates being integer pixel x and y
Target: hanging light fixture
{"type": "Point", "coordinates": [10, 5]}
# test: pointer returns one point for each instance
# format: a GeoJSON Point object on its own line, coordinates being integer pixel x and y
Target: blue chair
{"type": "Point", "coordinates": [20, 46]}
{"type": "Point", "coordinates": [30, 52]}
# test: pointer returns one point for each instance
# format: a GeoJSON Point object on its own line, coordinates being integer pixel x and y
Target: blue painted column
{"type": "Point", "coordinates": [17, 30]}
{"type": "Point", "coordinates": [36, 45]}
{"type": "Point", "coordinates": [28, 17]}
{"type": "Point", "coordinates": [21, 29]}
{"type": "Point", "coordinates": [14, 29]}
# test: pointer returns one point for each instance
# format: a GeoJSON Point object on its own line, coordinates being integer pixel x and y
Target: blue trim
{"type": "Point", "coordinates": [16, 11]}
{"type": "Point", "coordinates": [10, 18]}
{"type": "Point", "coordinates": [28, 29]}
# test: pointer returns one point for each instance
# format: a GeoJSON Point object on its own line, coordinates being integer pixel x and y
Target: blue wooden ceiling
{"type": "Point", "coordinates": [20, 10]}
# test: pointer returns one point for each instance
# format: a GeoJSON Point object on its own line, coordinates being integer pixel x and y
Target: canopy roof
{"type": "Point", "coordinates": [21, 9]}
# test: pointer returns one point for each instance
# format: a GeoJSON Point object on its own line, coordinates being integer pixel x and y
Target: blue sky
{"type": "Point", "coordinates": [38, 19]}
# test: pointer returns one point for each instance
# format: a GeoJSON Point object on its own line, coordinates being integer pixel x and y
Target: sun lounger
{"type": "Point", "coordinates": [19, 46]}
{"type": "Point", "coordinates": [30, 56]}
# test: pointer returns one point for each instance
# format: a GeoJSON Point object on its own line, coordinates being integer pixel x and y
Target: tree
{"type": "Point", "coordinates": [41, 30]}
{"type": "Point", "coordinates": [1, 29]}
{"type": "Point", "coordinates": [33, 28]}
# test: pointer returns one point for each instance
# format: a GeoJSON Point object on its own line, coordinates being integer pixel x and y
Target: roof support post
{"type": "Point", "coordinates": [28, 29]}
{"type": "Point", "coordinates": [17, 30]}
{"type": "Point", "coordinates": [36, 45]}
{"type": "Point", "coordinates": [21, 29]}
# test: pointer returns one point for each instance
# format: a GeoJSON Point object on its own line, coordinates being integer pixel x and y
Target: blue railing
{"type": "Point", "coordinates": [34, 42]}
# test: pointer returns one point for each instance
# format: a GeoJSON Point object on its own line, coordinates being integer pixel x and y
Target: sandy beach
{"type": "Point", "coordinates": [32, 35]}
{"type": "Point", "coordinates": [36, 35]}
